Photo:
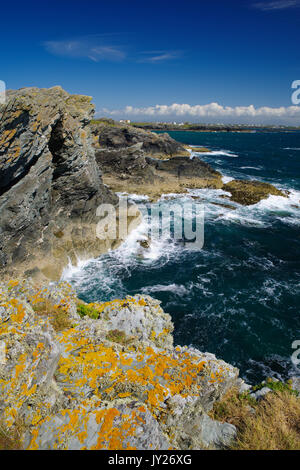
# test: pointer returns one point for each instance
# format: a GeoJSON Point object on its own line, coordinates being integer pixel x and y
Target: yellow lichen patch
{"type": "Point", "coordinates": [7, 136]}
{"type": "Point", "coordinates": [160, 374]}
{"type": "Point", "coordinates": [111, 435]}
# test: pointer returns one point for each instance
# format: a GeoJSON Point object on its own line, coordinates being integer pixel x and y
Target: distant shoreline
{"type": "Point", "coordinates": [203, 128]}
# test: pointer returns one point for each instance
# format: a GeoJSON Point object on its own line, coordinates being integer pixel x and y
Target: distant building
{"type": "Point", "coordinates": [125, 121]}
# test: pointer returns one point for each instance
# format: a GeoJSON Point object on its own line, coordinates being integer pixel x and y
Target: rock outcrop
{"type": "Point", "coordinates": [137, 161]}
{"type": "Point", "coordinates": [250, 192]}
{"type": "Point", "coordinates": [50, 184]}
{"type": "Point", "coordinates": [131, 170]}
{"type": "Point", "coordinates": [112, 135]}
{"type": "Point", "coordinates": [112, 382]}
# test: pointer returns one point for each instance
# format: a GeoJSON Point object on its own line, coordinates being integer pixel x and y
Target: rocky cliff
{"type": "Point", "coordinates": [50, 184]}
{"type": "Point", "coordinates": [103, 376]}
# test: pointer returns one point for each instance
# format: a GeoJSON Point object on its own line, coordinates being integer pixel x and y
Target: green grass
{"type": "Point", "coordinates": [277, 387]}
{"type": "Point", "coordinates": [87, 311]}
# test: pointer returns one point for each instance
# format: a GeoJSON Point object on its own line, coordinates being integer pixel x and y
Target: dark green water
{"type": "Point", "coordinates": [239, 296]}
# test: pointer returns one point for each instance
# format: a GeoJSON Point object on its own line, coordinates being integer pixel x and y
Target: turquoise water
{"type": "Point", "coordinates": [239, 296]}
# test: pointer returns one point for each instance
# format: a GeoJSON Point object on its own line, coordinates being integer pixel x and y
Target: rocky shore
{"type": "Point", "coordinates": [101, 375]}
{"type": "Point", "coordinates": [141, 162]}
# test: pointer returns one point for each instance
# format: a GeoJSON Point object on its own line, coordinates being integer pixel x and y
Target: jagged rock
{"type": "Point", "coordinates": [51, 185]}
{"type": "Point", "coordinates": [250, 192]}
{"type": "Point", "coordinates": [112, 382]}
{"type": "Point", "coordinates": [116, 136]}
{"type": "Point", "coordinates": [131, 171]}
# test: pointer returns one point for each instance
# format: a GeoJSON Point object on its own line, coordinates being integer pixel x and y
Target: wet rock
{"type": "Point", "coordinates": [144, 244]}
{"type": "Point", "coordinates": [199, 149]}
{"type": "Point", "coordinates": [250, 192]}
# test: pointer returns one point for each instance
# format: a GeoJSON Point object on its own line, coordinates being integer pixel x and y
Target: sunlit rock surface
{"type": "Point", "coordinates": [114, 381]}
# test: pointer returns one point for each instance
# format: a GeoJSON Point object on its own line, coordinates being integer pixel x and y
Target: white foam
{"type": "Point", "coordinates": [250, 168]}
{"type": "Point", "coordinates": [174, 288]}
{"type": "Point", "coordinates": [291, 148]}
{"type": "Point", "coordinates": [227, 179]}
{"type": "Point", "coordinates": [225, 153]}
{"type": "Point", "coordinates": [72, 270]}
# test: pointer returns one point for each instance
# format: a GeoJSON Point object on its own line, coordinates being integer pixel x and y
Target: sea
{"type": "Point", "coordinates": [239, 295]}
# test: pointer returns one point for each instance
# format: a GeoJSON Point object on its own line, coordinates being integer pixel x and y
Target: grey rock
{"type": "Point", "coordinates": [216, 435]}
{"type": "Point", "coordinates": [50, 182]}
{"type": "Point", "coordinates": [113, 135]}
{"type": "Point", "coordinates": [143, 432]}
{"type": "Point", "coordinates": [296, 384]}
{"type": "Point", "coordinates": [260, 393]}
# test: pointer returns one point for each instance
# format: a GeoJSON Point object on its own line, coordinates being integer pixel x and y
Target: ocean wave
{"type": "Point", "coordinates": [178, 290]}
{"type": "Point", "coordinates": [291, 148]}
{"type": "Point", "coordinates": [225, 153]}
{"type": "Point", "coordinates": [227, 179]}
{"type": "Point", "coordinates": [250, 167]}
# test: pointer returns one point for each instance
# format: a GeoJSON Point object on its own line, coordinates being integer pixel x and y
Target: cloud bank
{"type": "Point", "coordinates": [212, 112]}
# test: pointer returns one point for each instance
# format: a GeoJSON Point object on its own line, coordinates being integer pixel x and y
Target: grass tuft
{"type": "Point", "coordinates": [86, 310]}
{"type": "Point", "coordinates": [272, 423]}
{"type": "Point", "coordinates": [58, 316]}
{"type": "Point", "coordinates": [10, 438]}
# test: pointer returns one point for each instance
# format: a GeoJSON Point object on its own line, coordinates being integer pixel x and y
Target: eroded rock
{"type": "Point", "coordinates": [113, 382]}
{"type": "Point", "coordinates": [51, 184]}
{"type": "Point", "coordinates": [250, 192]}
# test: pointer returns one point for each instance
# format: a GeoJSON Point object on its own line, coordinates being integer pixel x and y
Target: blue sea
{"type": "Point", "coordinates": [239, 296]}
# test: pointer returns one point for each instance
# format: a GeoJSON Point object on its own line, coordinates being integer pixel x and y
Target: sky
{"type": "Point", "coordinates": [166, 60]}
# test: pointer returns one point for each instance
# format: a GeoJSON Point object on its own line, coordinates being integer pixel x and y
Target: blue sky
{"type": "Point", "coordinates": [137, 59]}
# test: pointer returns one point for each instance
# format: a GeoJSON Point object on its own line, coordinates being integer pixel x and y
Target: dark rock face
{"type": "Point", "coordinates": [184, 167]}
{"type": "Point", "coordinates": [119, 137]}
{"type": "Point", "coordinates": [50, 183]}
{"type": "Point", "coordinates": [129, 170]}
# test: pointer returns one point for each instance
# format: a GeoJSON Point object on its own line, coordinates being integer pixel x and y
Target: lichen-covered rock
{"type": "Point", "coordinates": [112, 382]}
{"type": "Point", "coordinates": [125, 427]}
{"type": "Point", "coordinates": [50, 184]}
{"type": "Point", "coordinates": [250, 192]}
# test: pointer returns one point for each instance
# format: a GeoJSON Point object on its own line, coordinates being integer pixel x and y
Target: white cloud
{"type": "Point", "coordinates": [212, 112]}
{"type": "Point", "coordinates": [93, 48]}
{"type": "Point", "coordinates": [155, 57]}
{"type": "Point", "coordinates": [276, 5]}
